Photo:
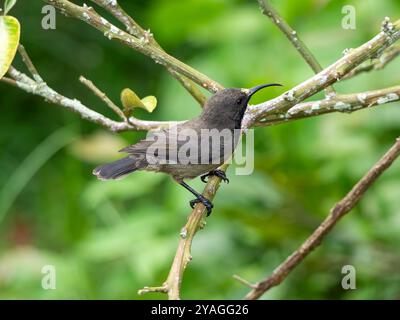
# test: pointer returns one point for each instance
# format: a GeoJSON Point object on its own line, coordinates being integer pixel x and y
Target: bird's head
{"type": "Point", "coordinates": [231, 103]}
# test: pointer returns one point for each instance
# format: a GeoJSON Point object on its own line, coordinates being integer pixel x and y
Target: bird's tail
{"type": "Point", "coordinates": [117, 169]}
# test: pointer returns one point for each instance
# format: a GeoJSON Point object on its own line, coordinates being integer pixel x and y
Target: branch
{"type": "Point", "coordinates": [40, 88]}
{"type": "Point", "coordinates": [376, 64]}
{"type": "Point", "coordinates": [346, 103]}
{"type": "Point", "coordinates": [9, 81]}
{"type": "Point", "coordinates": [135, 29]}
{"type": "Point", "coordinates": [97, 92]}
{"type": "Point", "coordinates": [29, 64]}
{"type": "Point", "coordinates": [268, 10]}
{"type": "Point", "coordinates": [142, 45]}
{"type": "Point", "coordinates": [183, 256]}
{"type": "Point", "coordinates": [255, 115]}
{"type": "Point", "coordinates": [130, 24]}
{"type": "Point", "coordinates": [337, 212]}
{"type": "Point", "coordinates": [258, 114]}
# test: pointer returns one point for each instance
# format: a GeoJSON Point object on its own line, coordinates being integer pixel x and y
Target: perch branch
{"type": "Point", "coordinates": [337, 212]}
{"type": "Point", "coordinates": [268, 10]}
{"type": "Point", "coordinates": [135, 29]}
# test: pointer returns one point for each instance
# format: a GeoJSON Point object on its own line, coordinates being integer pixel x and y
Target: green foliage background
{"type": "Point", "coordinates": [107, 240]}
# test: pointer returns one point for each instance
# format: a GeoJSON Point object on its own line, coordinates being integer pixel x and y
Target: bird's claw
{"type": "Point", "coordinates": [207, 203]}
{"type": "Point", "coordinates": [218, 173]}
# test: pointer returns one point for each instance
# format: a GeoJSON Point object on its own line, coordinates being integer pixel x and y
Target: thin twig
{"type": "Point", "coordinates": [29, 64]}
{"type": "Point", "coordinates": [244, 281]}
{"type": "Point", "coordinates": [390, 33]}
{"type": "Point", "coordinates": [190, 86]}
{"type": "Point", "coordinates": [377, 63]}
{"type": "Point", "coordinates": [183, 255]}
{"type": "Point", "coordinates": [337, 212]}
{"type": "Point", "coordinates": [9, 81]}
{"type": "Point", "coordinates": [43, 90]}
{"type": "Point", "coordinates": [268, 10]}
{"type": "Point", "coordinates": [91, 86]}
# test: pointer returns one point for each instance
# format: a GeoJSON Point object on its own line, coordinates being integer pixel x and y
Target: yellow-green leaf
{"type": "Point", "coordinates": [150, 103]}
{"type": "Point", "coordinates": [130, 100]}
{"type": "Point", "coordinates": [9, 40]}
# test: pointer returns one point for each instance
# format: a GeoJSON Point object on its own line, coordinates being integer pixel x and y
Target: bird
{"type": "Point", "coordinates": [183, 150]}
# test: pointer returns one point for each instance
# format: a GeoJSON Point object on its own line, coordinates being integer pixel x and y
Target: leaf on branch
{"type": "Point", "coordinates": [9, 40]}
{"type": "Point", "coordinates": [130, 100]}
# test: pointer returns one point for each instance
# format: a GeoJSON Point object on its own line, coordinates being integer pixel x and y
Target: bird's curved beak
{"type": "Point", "coordinates": [253, 90]}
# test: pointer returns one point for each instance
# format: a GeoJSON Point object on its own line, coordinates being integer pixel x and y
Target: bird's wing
{"type": "Point", "coordinates": [155, 145]}
{"type": "Point", "coordinates": [184, 140]}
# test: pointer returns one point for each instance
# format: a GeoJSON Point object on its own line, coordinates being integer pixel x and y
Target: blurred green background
{"type": "Point", "coordinates": [107, 240]}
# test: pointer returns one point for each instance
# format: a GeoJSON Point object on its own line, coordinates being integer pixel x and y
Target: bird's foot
{"type": "Point", "coordinates": [207, 203]}
{"type": "Point", "coordinates": [218, 173]}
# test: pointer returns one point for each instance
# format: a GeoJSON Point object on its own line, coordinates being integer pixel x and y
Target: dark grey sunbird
{"type": "Point", "coordinates": [167, 150]}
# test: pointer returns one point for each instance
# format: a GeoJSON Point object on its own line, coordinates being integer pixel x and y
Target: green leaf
{"type": "Point", "coordinates": [8, 5]}
{"type": "Point", "coordinates": [9, 40]}
{"type": "Point", "coordinates": [130, 100]}
{"type": "Point", "coordinates": [150, 103]}
{"type": "Point", "coordinates": [98, 147]}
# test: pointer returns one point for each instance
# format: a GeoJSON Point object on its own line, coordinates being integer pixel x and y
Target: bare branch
{"type": "Point", "coordinates": [337, 212]}
{"type": "Point", "coordinates": [376, 64]}
{"type": "Point", "coordinates": [9, 81]}
{"type": "Point", "coordinates": [244, 281]}
{"type": "Point", "coordinates": [331, 74]}
{"type": "Point", "coordinates": [255, 115]}
{"type": "Point", "coordinates": [91, 86]}
{"type": "Point", "coordinates": [43, 90]}
{"type": "Point", "coordinates": [190, 86]}
{"type": "Point", "coordinates": [268, 10]}
{"type": "Point", "coordinates": [130, 24]}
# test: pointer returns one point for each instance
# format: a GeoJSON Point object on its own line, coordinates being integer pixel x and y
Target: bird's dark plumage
{"type": "Point", "coordinates": [222, 113]}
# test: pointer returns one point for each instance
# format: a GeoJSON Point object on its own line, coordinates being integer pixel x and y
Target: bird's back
{"type": "Point", "coordinates": [185, 150]}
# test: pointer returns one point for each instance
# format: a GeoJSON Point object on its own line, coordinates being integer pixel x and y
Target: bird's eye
{"type": "Point", "coordinates": [239, 101]}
